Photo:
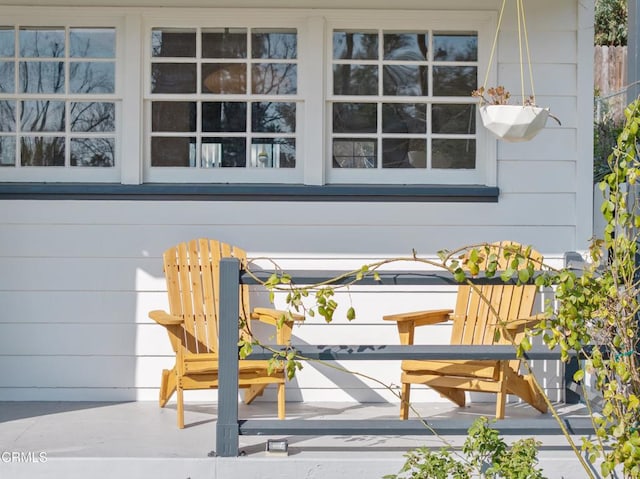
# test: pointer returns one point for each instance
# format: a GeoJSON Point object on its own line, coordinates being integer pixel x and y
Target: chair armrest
{"type": "Point", "coordinates": [272, 317]}
{"type": "Point", "coordinates": [421, 318]}
{"type": "Point", "coordinates": [173, 324]}
{"type": "Point", "coordinates": [407, 322]}
{"type": "Point", "coordinates": [164, 318]}
{"type": "Point", "coordinates": [520, 324]}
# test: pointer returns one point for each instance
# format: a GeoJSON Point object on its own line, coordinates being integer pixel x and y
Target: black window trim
{"type": "Point", "coordinates": [251, 192]}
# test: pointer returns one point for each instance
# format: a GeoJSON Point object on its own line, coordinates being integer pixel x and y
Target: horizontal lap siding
{"type": "Point", "coordinates": [80, 276]}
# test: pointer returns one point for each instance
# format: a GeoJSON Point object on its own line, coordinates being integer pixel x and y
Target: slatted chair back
{"type": "Point", "coordinates": [192, 270]}
{"type": "Point", "coordinates": [475, 320]}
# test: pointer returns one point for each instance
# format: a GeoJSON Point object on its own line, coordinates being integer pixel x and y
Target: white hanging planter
{"type": "Point", "coordinates": [514, 123]}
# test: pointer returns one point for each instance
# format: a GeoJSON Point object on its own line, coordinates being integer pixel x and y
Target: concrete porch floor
{"type": "Point", "coordinates": [138, 440]}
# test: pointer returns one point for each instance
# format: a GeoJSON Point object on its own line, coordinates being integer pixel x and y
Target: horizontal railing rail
{"type": "Point", "coordinates": [229, 427]}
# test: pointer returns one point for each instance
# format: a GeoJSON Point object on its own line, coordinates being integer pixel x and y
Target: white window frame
{"type": "Point", "coordinates": [222, 19]}
{"type": "Point", "coordinates": [74, 174]}
{"type": "Point", "coordinates": [313, 137]}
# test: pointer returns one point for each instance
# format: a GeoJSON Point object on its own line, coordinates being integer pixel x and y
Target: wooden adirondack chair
{"type": "Point", "coordinates": [474, 323]}
{"type": "Point", "coordinates": [192, 270]}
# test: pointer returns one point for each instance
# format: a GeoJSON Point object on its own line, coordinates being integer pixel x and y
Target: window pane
{"type": "Point", "coordinates": [403, 153]}
{"type": "Point", "coordinates": [355, 153]}
{"type": "Point", "coordinates": [7, 151]}
{"type": "Point", "coordinates": [454, 81]}
{"type": "Point", "coordinates": [355, 79]}
{"type": "Point", "coordinates": [92, 77]}
{"type": "Point", "coordinates": [224, 78]}
{"type": "Point", "coordinates": [173, 42]}
{"type": "Point", "coordinates": [355, 45]}
{"type": "Point", "coordinates": [173, 116]}
{"type": "Point", "coordinates": [92, 42]}
{"type": "Point", "coordinates": [404, 118]}
{"type": "Point", "coordinates": [453, 119]}
{"type": "Point", "coordinates": [355, 118]}
{"type": "Point", "coordinates": [458, 46]}
{"type": "Point", "coordinates": [453, 154]}
{"type": "Point", "coordinates": [7, 42]}
{"type": "Point", "coordinates": [406, 46]}
{"type": "Point", "coordinates": [173, 151]}
{"type": "Point", "coordinates": [42, 151]}
{"type": "Point", "coordinates": [273, 117]}
{"type": "Point", "coordinates": [42, 77]}
{"type": "Point", "coordinates": [42, 115]}
{"type": "Point", "coordinates": [224, 43]}
{"type": "Point", "coordinates": [173, 78]}
{"type": "Point", "coordinates": [269, 43]}
{"type": "Point", "coordinates": [7, 77]}
{"type": "Point", "coordinates": [93, 116]}
{"type": "Point", "coordinates": [224, 116]}
{"type": "Point", "coordinates": [274, 78]}
{"type": "Point", "coordinates": [7, 116]}
{"type": "Point", "coordinates": [224, 152]}
{"type": "Point", "coordinates": [273, 153]}
{"type": "Point", "coordinates": [405, 80]}
{"type": "Point", "coordinates": [41, 42]}
{"type": "Point", "coordinates": [417, 156]}
{"type": "Point", "coordinates": [92, 152]}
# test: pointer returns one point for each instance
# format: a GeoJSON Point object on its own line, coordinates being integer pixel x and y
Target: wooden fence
{"type": "Point", "coordinates": [610, 69]}
{"type": "Point", "coordinates": [610, 81]}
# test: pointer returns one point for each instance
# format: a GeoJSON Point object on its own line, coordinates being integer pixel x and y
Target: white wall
{"type": "Point", "coordinates": [78, 277]}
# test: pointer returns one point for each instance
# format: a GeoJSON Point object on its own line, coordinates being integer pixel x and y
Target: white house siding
{"type": "Point", "coordinates": [78, 277]}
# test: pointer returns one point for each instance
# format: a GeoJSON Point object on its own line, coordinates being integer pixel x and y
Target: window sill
{"type": "Point", "coordinates": [250, 192]}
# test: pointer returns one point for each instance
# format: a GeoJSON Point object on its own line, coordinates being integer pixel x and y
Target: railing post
{"type": "Point", "coordinates": [572, 395]}
{"type": "Point", "coordinates": [227, 430]}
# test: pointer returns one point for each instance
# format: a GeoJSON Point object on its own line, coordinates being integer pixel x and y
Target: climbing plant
{"type": "Point", "coordinates": [594, 314]}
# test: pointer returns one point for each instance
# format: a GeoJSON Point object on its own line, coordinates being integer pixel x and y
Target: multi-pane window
{"type": "Point", "coordinates": [245, 96]}
{"type": "Point", "coordinates": [400, 99]}
{"type": "Point", "coordinates": [223, 97]}
{"type": "Point", "coordinates": [57, 105]}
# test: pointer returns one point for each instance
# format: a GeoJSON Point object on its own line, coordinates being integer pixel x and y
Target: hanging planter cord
{"type": "Point", "coordinates": [522, 31]}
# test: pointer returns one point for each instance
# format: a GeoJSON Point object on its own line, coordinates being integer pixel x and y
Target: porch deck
{"type": "Point", "coordinates": [139, 440]}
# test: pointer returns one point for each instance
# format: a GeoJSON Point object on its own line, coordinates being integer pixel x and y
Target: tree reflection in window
{"type": "Point", "coordinates": [422, 74]}
{"type": "Point", "coordinates": [55, 127]}
{"type": "Point", "coordinates": [256, 130]}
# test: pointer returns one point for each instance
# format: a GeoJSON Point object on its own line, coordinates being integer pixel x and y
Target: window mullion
{"type": "Point", "coordinates": [132, 93]}
{"type": "Point", "coordinates": [313, 88]}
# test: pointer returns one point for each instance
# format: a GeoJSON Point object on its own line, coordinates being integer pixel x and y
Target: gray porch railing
{"type": "Point", "coordinates": [229, 427]}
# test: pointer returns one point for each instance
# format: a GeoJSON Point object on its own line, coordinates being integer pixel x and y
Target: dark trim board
{"type": "Point", "coordinates": [542, 425]}
{"type": "Point", "coordinates": [250, 192]}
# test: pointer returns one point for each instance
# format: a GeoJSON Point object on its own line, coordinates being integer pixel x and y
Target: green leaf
{"type": "Point", "coordinates": [579, 375]}
{"type": "Point", "coordinates": [523, 275]}
{"type": "Point", "coordinates": [507, 274]}
{"type": "Point", "coordinates": [474, 269]}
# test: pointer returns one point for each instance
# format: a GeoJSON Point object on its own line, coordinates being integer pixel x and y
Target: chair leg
{"type": "Point", "coordinates": [455, 395]}
{"type": "Point", "coordinates": [180, 397]}
{"type": "Point", "coordinates": [537, 399]}
{"type": "Point", "coordinates": [281, 401]}
{"type": "Point", "coordinates": [253, 392]}
{"type": "Point", "coordinates": [501, 399]}
{"type": "Point", "coordinates": [405, 398]}
{"type": "Point", "coordinates": [167, 386]}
